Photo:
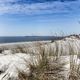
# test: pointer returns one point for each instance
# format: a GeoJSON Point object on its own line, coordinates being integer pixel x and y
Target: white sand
{"type": "Point", "coordinates": [23, 43]}
{"type": "Point", "coordinates": [11, 64]}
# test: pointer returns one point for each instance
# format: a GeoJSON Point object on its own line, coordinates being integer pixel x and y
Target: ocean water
{"type": "Point", "coordinates": [25, 38]}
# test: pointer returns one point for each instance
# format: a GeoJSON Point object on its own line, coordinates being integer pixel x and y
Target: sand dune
{"type": "Point", "coordinates": [16, 64]}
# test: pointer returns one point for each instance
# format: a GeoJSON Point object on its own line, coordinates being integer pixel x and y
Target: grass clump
{"type": "Point", "coordinates": [46, 70]}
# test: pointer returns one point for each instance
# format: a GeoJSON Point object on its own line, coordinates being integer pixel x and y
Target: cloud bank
{"type": "Point", "coordinates": [30, 7]}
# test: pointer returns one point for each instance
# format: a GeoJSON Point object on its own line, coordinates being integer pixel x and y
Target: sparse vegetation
{"type": "Point", "coordinates": [58, 60]}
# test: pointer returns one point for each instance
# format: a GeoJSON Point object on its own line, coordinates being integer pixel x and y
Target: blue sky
{"type": "Point", "coordinates": [39, 17]}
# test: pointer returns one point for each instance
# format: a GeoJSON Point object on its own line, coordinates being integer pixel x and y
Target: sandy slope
{"type": "Point", "coordinates": [66, 50]}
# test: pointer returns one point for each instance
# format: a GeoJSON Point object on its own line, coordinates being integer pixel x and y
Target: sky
{"type": "Point", "coordinates": [39, 17]}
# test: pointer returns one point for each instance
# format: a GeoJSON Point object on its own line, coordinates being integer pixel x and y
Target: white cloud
{"type": "Point", "coordinates": [4, 1]}
{"type": "Point", "coordinates": [38, 8]}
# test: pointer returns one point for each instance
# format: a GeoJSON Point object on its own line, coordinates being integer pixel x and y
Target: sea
{"type": "Point", "coordinates": [11, 39]}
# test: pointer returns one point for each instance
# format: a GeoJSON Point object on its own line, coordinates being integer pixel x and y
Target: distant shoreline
{"type": "Point", "coordinates": [23, 43]}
